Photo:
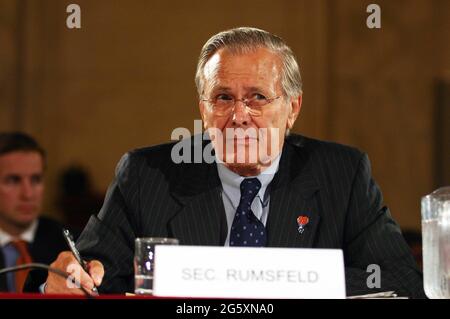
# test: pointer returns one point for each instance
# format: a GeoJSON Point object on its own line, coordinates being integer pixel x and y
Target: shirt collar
{"type": "Point", "coordinates": [27, 235]}
{"type": "Point", "coordinates": [231, 181]}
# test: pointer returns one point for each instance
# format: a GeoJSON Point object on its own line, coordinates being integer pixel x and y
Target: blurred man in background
{"type": "Point", "coordinates": [77, 197]}
{"type": "Point", "coordinates": [24, 236]}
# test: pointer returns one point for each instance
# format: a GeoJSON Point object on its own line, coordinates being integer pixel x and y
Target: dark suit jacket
{"type": "Point", "coordinates": [48, 243]}
{"type": "Point", "coordinates": [332, 184]}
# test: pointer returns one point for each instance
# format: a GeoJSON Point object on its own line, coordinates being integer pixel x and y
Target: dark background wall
{"type": "Point", "coordinates": [125, 80]}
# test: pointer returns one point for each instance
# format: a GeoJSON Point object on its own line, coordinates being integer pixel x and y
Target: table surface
{"type": "Point", "coordinates": [5, 295]}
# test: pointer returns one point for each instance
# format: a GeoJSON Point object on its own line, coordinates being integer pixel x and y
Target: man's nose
{"type": "Point", "coordinates": [27, 190]}
{"type": "Point", "coordinates": [240, 116]}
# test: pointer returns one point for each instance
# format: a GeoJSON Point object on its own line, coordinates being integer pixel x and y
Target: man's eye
{"type": "Point", "coordinates": [36, 179]}
{"type": "Point", "coordinates": [223, 97]}
{"type": "Point", "coordinates": [258, 96]}
{"type": "Point", "coordinates": [12, 180]}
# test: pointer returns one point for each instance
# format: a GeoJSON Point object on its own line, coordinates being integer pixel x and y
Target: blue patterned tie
{"type": "Point", "coordinates": [247, 229]}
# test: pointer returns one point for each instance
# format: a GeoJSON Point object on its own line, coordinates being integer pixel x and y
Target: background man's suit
{"type": "Point", "coordinates": [48, 243]}
{"type": "Point", "coordinates": [330, 183]}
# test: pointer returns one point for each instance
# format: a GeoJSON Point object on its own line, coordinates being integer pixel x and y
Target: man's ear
{"type": "Point", "coordinates": [296, 105]}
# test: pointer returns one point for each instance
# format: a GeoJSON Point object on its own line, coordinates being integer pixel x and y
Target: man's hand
{"type": "Point", "coordinates": [67, 263]}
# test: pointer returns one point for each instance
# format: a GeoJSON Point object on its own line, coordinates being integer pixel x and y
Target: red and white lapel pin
{"type": "Point", "coordinates": [302, 221]}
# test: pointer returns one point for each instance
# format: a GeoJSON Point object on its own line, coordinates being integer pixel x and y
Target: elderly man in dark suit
{"type": "Point", "coordinates": [248, 81]}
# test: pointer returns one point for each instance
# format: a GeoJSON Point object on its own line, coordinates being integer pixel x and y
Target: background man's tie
{"type": "Point", "coordinates": [24, 258]}
{"type": "Point", "coordinates": [247, 229]}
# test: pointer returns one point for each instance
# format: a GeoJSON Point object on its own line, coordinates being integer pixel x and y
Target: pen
{"type": "Point", "coordinates": [69, 239]}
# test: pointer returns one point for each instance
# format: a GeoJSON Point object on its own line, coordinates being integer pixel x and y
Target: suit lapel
{"type": "Point", "coordinates": [201, 219]}
{"type": "Point", "coordinates": [292, 195]}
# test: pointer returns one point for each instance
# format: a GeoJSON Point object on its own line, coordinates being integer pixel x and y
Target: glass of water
{"type": "Point", "coordinates": [436, 243]}
{"type": "Point", "coordinates": [144, 261]}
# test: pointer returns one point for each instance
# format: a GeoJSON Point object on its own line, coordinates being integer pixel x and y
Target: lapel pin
{"type": "Point", "coordinates": [302, 221]}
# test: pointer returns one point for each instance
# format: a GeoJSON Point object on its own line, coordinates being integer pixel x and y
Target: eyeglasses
{"type": "Point", "coordinates": [223, 104]}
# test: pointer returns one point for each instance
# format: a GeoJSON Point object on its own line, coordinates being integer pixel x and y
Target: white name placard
{"type": "Point", "coordinates": [242, 272]}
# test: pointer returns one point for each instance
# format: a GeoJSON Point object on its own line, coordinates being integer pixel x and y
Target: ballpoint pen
{"type": "Point", "coordinates": [69, 239]}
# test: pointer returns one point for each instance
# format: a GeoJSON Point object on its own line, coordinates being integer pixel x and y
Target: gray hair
{"type": "Point", "coordinates": [242, 40]}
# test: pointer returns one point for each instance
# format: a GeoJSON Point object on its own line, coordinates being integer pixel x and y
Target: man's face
{"type": "Point", "coordinates": [253, 75]}
{"type": "Point", "coordinates": [21, 188]}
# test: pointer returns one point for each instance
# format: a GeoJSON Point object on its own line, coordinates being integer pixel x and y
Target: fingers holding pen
{"type": "Point", "coordinates": [96, 271]}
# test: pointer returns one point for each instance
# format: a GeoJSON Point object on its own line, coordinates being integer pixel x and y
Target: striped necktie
{"type": "Point", "coordinates": [24, 258]}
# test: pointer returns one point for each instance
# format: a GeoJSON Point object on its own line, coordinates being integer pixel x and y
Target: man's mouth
{"type": "Point", "coordinates": [26, 208]}
{"type": "Point", "coordinates": [242, 141]}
